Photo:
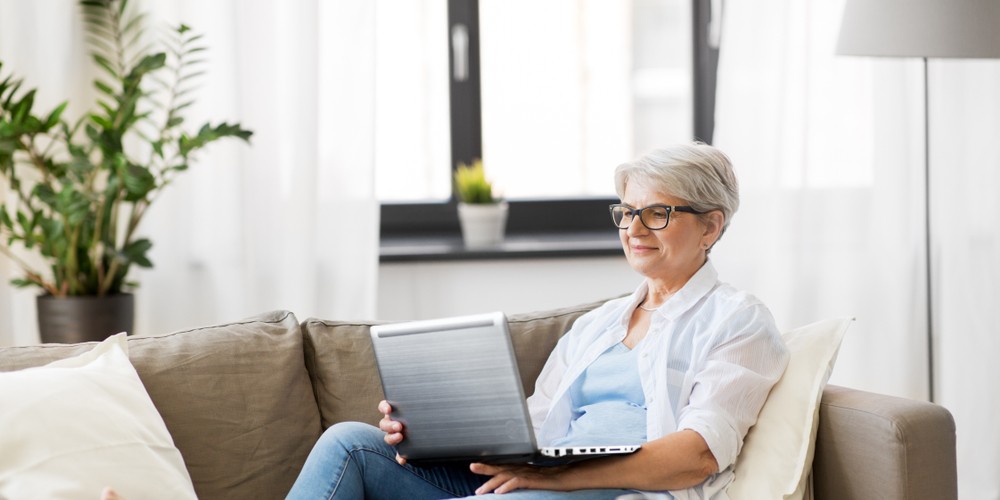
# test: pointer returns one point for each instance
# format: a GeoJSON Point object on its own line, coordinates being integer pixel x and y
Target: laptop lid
{"type": "Point", "coordinates": [454, 385]}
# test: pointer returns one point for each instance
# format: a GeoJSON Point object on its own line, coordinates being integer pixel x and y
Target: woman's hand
{"type": "Point", "coordinates": [393, 430]}
{"type": "Point", "coordinates": [507, 478]}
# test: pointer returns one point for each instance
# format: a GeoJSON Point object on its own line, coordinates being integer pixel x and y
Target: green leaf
{"type": "Point", "coordinates": [23, 107]}
{"type": "Point", "coordinates": [54, 116]}
{"type": "Point", "coordinates": [107, 109]}
{"type": "Point", "coordinates": [135, 23]}
{"type": "Point", "coordinates": [14, 87]}
{"type": "Point", "coordinates": [101, 122]}
{"type": "Point", "coordinates": [5, 219]}
{"type": "Point", "coordinates": [138, 182]}
{"type": "Point", "coordinates": [104, 88]}
{"type": "Point", "coordinates": [100, 44]}
{"type": "Point", "coordinates": [27, 226]}
{"type": "Point", "coordinates": [45, 194]}
{"type": "Point", "coordinates": [208, 134]}
{"type": "Point", "coordinates": [21, 283]}
{"type": "Point", "coordinates": [135, 252]}
{"type": "Point", "coordinates": [189, 76]}
{"type": "Point", "coordinates": [149, 63]}
{"type": "Point", "coordinates": [104, 63]}
{"type": "Point", "coordinates": [52, 229]}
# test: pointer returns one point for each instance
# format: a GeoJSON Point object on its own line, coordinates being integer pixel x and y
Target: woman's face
{"type": "Point", "coordinates": [675, 252]}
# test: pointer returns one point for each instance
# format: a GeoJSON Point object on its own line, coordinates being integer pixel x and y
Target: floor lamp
{"type": "Point", "coordinates": [924, 29]}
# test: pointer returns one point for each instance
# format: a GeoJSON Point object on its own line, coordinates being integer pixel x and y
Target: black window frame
{"type": "Point", "coordinates": [401, 222]}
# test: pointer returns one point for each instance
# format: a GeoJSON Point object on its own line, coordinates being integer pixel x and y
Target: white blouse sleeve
{"type": "Point", "coordinates": [746, 358]}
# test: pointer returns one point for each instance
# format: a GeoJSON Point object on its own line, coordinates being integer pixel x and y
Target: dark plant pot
{"type": "Point", "coordinates": [68, 320]}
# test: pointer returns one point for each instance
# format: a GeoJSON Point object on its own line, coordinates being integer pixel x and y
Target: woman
{"type": "Point", "coordinates": [683, 365]}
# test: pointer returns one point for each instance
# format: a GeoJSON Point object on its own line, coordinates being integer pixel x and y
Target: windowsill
{"type": "Point", "coordinates": [515, 246]}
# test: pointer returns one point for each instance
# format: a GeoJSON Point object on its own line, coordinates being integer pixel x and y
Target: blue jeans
{"type": "Point", "coordinates": [351, 461]}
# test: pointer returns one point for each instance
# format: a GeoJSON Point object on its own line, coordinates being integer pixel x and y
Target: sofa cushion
{"type": "Point", "coordinates": [341, 364]}
{"type": "Point", "coordinates": [115, 436]}
{"type": "Point", "coordinates": [778, 450]}
{"type": "Point", "coordinates": [534, 335]}
{"type": "Point", "coordinates": [341, 361]}
{"type": "Point", "coordinates": [235, 397]}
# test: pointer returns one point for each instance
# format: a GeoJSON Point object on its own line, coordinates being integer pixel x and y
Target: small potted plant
{"type": "Point", "coordinates": [482, 215]}
{"type": "Point", "coordinates": [72, 194]}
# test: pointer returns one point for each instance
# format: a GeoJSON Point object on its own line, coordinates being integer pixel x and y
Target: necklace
{"type": "Point", "coordinates": [650, 309]}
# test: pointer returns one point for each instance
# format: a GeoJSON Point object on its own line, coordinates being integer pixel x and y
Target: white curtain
{"type": "Point", "coordinates": [288, 222]}
{"type": "Point", "coordinates": [829, 150]}
{"type": "Point", "coordinates": [965, 180]}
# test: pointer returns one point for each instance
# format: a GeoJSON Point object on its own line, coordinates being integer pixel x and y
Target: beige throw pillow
{"type": "Point", "coordinates": [778, 451]}
{"type": "Point", "coordinates": [77, 425]}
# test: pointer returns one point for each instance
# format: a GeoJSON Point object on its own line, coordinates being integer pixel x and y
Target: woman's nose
{"type": "Point", "coordinates": [636, 227]}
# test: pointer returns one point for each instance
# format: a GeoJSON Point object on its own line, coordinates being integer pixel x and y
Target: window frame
{"type": "Point", "coordinates": [527, 217]}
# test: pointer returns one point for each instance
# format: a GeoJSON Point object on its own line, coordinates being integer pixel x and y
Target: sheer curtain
{"type": "Point", "coordinates": [289, 222]}
{"type": "Point", "coordinates": [830, 156]}
{"type": "Point", "coordinates": [965, 176]}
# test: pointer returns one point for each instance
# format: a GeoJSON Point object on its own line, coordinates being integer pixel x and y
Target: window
{"type": "Point", "coordinates": [552, 95]}
{"type": "Point", "coordinates": [571, 89]}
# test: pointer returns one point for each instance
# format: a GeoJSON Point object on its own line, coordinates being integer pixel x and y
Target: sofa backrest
{"type": "Point", "coordinates": [236, 399]}
{"type": "Point", "coordinates": [341, 361]}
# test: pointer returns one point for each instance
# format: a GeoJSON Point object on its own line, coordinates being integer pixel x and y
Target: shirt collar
{"type": "Point", "coordinates": [700, 284]}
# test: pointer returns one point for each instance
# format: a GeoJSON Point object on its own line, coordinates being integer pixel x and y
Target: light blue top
{"type": "Point", "coordinates": [608, 403]}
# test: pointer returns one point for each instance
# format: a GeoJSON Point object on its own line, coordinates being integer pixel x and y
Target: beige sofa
{"type": "Point", "coordinates": [245, 402]}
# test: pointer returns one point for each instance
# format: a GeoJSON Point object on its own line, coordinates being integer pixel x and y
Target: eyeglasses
{"type": "Point", "coordinates": [654, 217]}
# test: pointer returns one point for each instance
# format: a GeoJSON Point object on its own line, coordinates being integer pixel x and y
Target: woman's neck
{"type": "Point", "coordinates": [658, 290]}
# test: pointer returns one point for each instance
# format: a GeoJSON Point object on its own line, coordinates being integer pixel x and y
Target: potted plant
{"type": "Point", "coordinates": [481, 214]}
{"type": "Point", "coordinates": [72, 194]}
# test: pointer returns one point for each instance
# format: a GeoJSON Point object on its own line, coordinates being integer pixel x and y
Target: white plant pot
{"type": "Point", "coordinates": [483, 225]}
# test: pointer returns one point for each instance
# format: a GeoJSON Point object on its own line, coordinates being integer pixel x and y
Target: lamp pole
{"type": "Point", "coordinates": [927, 234]}
{"type": "Point", "coordinates": [924, 29]}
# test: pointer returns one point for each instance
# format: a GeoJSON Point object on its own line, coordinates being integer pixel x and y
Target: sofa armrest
{"type": "Point", "coordinates": [876, 446]}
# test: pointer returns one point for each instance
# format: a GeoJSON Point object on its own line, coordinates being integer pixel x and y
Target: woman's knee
{"type": "Point", "coordinates": [350, 435]}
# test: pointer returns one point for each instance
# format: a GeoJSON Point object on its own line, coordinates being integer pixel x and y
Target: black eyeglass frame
{"type": "Point", "coordinates": [637, 212]}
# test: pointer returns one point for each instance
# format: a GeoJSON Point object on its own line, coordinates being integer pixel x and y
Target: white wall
{"type": "Point", "coordinates": [427, 290]}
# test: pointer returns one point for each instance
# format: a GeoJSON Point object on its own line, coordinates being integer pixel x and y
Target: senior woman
{"type": "Point", "coordinates": [683, 366]}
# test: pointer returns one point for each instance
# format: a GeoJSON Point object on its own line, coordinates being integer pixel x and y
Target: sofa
{"type": "Point", "coordinates": [245, 401]}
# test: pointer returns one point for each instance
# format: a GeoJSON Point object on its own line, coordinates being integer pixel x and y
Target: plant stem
{"type": "Point", "coordinates": [29, 273]}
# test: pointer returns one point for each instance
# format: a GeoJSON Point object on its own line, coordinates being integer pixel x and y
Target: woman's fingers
{"type": "Point", "coordinates": [393, 438]}
{"type": "Point", "coordinates": [485, 469]}
{"type": "Point", "coordinates": [507, 478]}
{"type": "Point", "coordinates": [504, 478]}
{"type": "Point", "coordinates": [389, 425]}
{"type": "Point", "coordinates": [393, 430]}
{"type": "Point", "coordinates": [503, 482]}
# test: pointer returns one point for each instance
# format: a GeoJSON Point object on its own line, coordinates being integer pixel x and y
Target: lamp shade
{"type": "Point", "coordinates": [921, 28]}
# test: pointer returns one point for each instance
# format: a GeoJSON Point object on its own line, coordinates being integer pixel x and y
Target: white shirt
{"type": "Point", "coordinates": [707, 364]}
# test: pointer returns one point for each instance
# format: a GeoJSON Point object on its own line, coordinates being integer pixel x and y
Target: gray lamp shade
{"type": "Point", "coordinates": [921, 28]}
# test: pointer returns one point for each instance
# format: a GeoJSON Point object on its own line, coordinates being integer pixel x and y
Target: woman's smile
{"type": "Point", "coordinates": [639, 248]}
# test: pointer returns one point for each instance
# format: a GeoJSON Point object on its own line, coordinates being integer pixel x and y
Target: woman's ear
{"type": "Point", "coordinates": [714, 221]}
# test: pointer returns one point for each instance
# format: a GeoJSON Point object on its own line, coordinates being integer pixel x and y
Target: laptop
{"type": "Point", "coordinates": [454, 385]}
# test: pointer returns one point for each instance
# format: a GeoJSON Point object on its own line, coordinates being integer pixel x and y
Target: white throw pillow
{"type": "Point", "coordinates": [778, 451]}
{"type": "Point", "coordinates": [72, 427]}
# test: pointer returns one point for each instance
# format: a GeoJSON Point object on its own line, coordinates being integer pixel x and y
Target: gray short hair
{"type": "Point", "coordinates": [698, 173]}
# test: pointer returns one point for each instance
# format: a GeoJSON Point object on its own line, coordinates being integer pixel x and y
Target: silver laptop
{"type": "Point", "coordinates": [454, 385]}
